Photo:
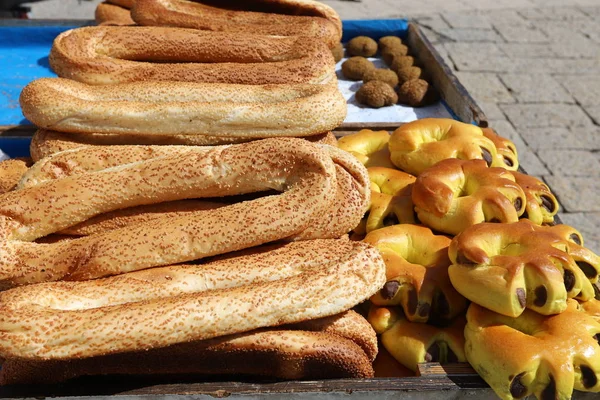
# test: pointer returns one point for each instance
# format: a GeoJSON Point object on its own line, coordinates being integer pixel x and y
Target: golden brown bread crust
{"type": "Point", "coordinates": [506, 156]}
{"type": "Point", "coordinates": [417, 279]}
{"type": "Point", "coordinates": [321, 198]}
{"type": "Point", "coordinates": [322, 348]}
{"type": "Point", "coordinates": [420, 144]}
{"type": "Point", "coordinates": [455, 194]}
{"type": "Point", "coordinates": [110, 14]}
{"type": "Point", "coordinates": [305, 18]}
{"type": "Point", "coordinates": [45, 142]}
{"type": "Point", "coordinates": [122, 3]}
{"type": "Point", "coordinates": [100, 55]}
{"type": "Point", "coordinates": [11, 172]}
{"type": "Point", "coordinates": [369, 147]}
{"type": "Point", "coordinates": [510, 267]}
{"type": "Point", "coordinates": [271, 353]}
{"type": "Point", "coordinates": [412, 343]}
{"type": "Point", "coordinates": [184, 108]}
{"type": "Point", "coordinates": [542, 205]}
{"type": "Point", "coordinates": [164, 306]}
{"type": "Point", "coordinates": [533, 354]}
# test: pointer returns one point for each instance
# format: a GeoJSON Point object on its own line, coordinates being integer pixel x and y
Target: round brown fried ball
{"type": "Point", "coordinates": [390, 53]}
{"type": "Point", "coordinates": [355, 68]}
{"type": "Point", "coordinates": [338, 52]}
{"type": "Point", "coordinates": [409, 73]}
{"type": "Point", "coordinates": [389, 41]}
{"type": "Point", "coordinates": [416, 93]}
{"type": "Point", "coordinates": [362, 46]}
{"type": "Point", "coordinates": [382, 74]}
{"type": "Point", "coordinates": [402, 62]}
{"type": "Point", "coordinates": [376, 94]}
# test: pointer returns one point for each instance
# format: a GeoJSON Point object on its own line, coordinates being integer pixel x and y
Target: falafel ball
{"type": "Point", "coordinates": [416, 93]}
{"type": "Point", "coordinates": [390, 53]}
{"type": "Point", "coordinates": [402, 62]}
{"type": "Point", "coordinates": [355, 68]}
{"type": "Point", "coordinates": [376, 94]}
{"type": "Point", "coordinates": [338, 52]}
{"type": "Point", "coordinates": [409, 74]}
{"type": "Point", "coordinates": [382, 74]}
{"type": "Point", "coordinates": [362, 46]}
{"type": "Point", "coordinates": [389, 41]}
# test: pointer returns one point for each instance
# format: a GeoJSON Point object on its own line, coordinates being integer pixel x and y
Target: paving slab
{"type": "Point", "coordinates": [585, 90]}
{"type": "Point", "coordinates": [566, 163]}
{"type": "Point", "coordinates": [535, 88]}
{"type": "Point", "coordinates": [542, 139]}
{"type": "Point", "coordinates": [467, 19]}
{"type": "Point", "coordinates": [553, 13]}
{"type": "Point", "coordinates": [471, 35]}
{"type": "Point", "coordinates": [491, 110]}
{"type": "Point", "coordinates": [545, 115]}
{"type": "Point", "coordinates": [576, 194]}
{"type": "Point", "coordinates": [485, 87]}
{"type": "Point", "coordinates": [520, 34]}
{"type": "Point", "coordinates": [528, 50]}
{"type": "Point", "coordinates": [588, 135]}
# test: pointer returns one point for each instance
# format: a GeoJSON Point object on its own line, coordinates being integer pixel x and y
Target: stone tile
{"type": "Point", "coordinates": [471, 35]}
{"type": "Point", "coordinates": [594, 113]}
{"type": "Point", "coordinates": [587, 223]}
{"type": "Point", "coordinates": [432, 21]}
{"type": "Point", "coordinates": [467, 20]}
{"type": "Point", "coordinates": [477, 62]}
{"type": "Point", "coordinates": [509, 17]}
{"type": "Point", "coordinates": [570, 162]}
{"type": "Point", "coordinates": [485, 87]}
{"type": "Point", "coordinates": [520, 34]}
{"type": "Point", "coordinates": [528, 50]}
{"type": "Point", "coordinates": [576, 194]}
{"type": "Point", "coordinates": [567, 66]}
{"type": "Point", "coordinates": [433, 36]}
{"type": "Point", "coordinates": [535, 88]}
{"type": "Point", "coordinates": [553, 13]}
{"type": "Point", "coordinates": [588, 135]}
{"type": "Point", "coordinates": [505, 129]}
{"type": "Point", "coordinates": [487, 49]}
{"type": "Point", "coordinates": [580, 48]}
{"type": "Point", "coordinates": [491, 110]}
{"type": "Point", "coordinates": [545, 115]}
{"type": "Point", "coordinates": [541, 139]}
{"type": "Point", "coordinates": [585, 90]}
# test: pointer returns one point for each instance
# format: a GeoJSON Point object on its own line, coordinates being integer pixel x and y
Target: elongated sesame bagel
{"type": "Point", "coordinates": [111, 14]}
{"type": "Point", "coordinates": [533, 354]}
{"type": "Point", "coordinates": [184, 108]}
{"type": "Point", "coordinates": [322, 348]}
{"type": "Point", "coordinates": [411, 343]}
{"type": "Point", "coordinates": [305, 18]}
{"type": "Point", "coordinates": [417, 273]}
{"type": "Point", "coordinates": [506, 151]}
{"type": "Point", "coordinates": [277, 354]}
{"type": "Point", "coordinates": [177, 304]}
{"type": "Point", "coordinates": [45, 142]}
{"type": "Point", "coordinates": [319, 198]}
{"type": "Point", "coordinates": [455, 194]}
{"type": "Point", "coordinates": [100, 55]}
{"type": "Point", "coordinates": [509, 267]}
{"type": "Point", "coordinates": [11, 172]}
{"type": "Point", "coordinates": [370, 147]}
{"type": "Point", "coordinates": [420, 144]}
{"type": "Point", "coordinates": [541, 205]}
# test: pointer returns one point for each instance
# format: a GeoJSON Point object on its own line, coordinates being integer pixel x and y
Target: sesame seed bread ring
{"type": "Point", "coordinates": [541, 205]}
{"type": "Point", "coordinates": [391, 201]}
{"type": "Point", "coordinates": [306, 18]}
{"type": "Point", "coordinates": [310, 206]}
{"type": "Point", "coordinates": [122, 3]}
{"type": "Point", "coordinates": [509, 267]}
{"type": "Point", "coordinates": [45, 142]}
{"type": "Point", "coordinates": [177, 304]}
{"type": "Point", "coordinates": [184, 108]}
{"type": "Point", "coordinates": [323, 348]}
{"type": "Point", "coordinates": [417, 273]}
{"type": "Point", "coordinates": [418, 145]}
{"type": "Point", "coordinates": [506, 151]}
{"type": "Point", "coordinates": [111, 14]}
{"type": "Point", "coordinates": [455, 194]}
{"type": "Point", "coordinates": [100, 55]}
{"type": "Point", "coordinates": [412, 343]}
{"type": "Point", "coordinates": [11, 172]}
{"type": "Point", "coordinates": [533, 354]}
{"type": "Point", "coordinates": [370, 147]}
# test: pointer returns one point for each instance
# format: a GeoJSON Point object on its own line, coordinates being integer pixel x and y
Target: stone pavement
{"type": "Point", "coordinates": [532, 65]}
